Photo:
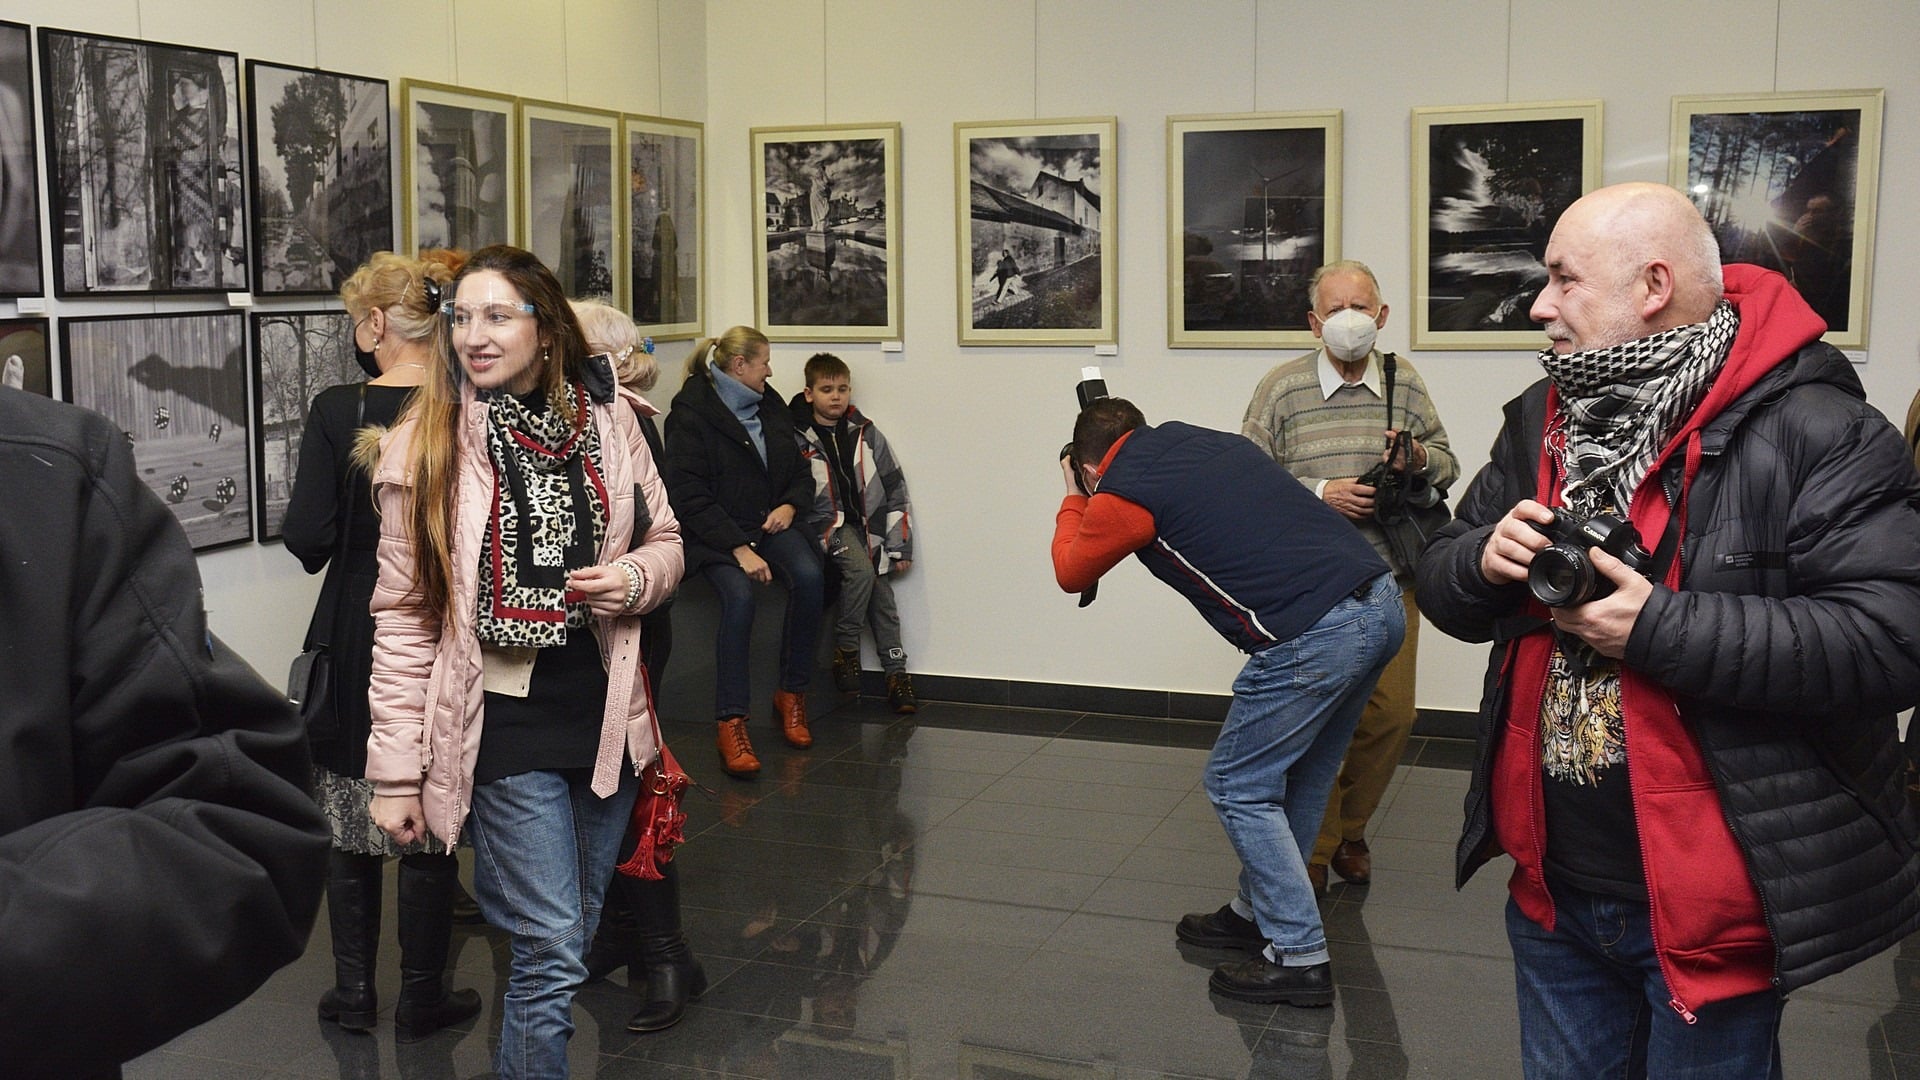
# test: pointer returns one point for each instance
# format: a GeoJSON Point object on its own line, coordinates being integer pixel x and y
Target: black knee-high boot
{"type": "Point", "coordinates": [673, 975]}
{"type": "Point", "coordinates": [426, 927]}
{"type": "Point", "coordinates": [353, 913]}
{"type": "Point", "coordinates": [614, 944]}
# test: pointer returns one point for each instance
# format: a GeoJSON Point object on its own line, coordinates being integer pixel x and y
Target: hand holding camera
{"type": "Point", "coordinates": [1591, 573]}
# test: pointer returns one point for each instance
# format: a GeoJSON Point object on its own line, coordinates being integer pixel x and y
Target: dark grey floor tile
{"type": "Point", "coordinates": [1195, 833]}
{"type": "Point", "coordinates": [1179, 759]}
{"type": "Point", "coordinates": [1452, 754]}
{"type": "Point", "coordinates": [1063, 822]}
{"type": "Point", "coordinates": [934, 876]}
{"type": "Point", "coordinates": [1150, 941]}
{"type": "Point", "coordinates": [1172, 776]}
{"type": "Point", "coordinates": [1003, 853]}
{"type": "Point", "coordinates": [945, 783]}
{"type": "Point", "coordinates": [1103, 726]}
{"type": "Point", "coordinates": [1156, 899]}
{"type": "Point", "coordinates": [1075, 698]}
{"type": "Point", "coordinates": [1181, 865]}
{"type": "Point", "coordinates": [1082, 795]}
{"type": "Point", "coordinates": [988, 719]}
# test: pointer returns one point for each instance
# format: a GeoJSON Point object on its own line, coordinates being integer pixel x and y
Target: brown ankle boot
{"type": "Point", "coordinates": [900, 693]}
{"type": "Point", "coordinates": [736, 753]}
{"type": "Point", "coordinates": [846, 670]}
{"type": "Point", "coordinates": [790, 712]}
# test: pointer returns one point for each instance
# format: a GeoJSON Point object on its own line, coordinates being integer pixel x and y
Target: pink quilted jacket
{"type": "Point", "coordinates": [426, 688]}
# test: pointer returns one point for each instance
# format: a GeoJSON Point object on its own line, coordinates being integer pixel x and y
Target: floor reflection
{"type": "Point", "coordinates": [989, 894]}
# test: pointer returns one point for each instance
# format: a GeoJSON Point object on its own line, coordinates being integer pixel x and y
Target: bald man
{"type": "Point", "coordinates": [1694, 766]}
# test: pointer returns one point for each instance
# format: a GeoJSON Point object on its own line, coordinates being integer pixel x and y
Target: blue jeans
{"type": "Point", "coordinates": [795, 561]}
{"type": "Point", "coordinates": [544, 846]}
{"type": "Point", "coordinates": [1593, 1002]}
{"type": "Point", "coordinates": [1295, 705]}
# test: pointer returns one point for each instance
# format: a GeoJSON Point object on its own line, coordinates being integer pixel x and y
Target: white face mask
{"type": "Point", "coordinates": [1348, 335]}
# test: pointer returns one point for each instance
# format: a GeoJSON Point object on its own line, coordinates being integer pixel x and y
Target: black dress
{"type": "Point", "coordinates": [315, 515]}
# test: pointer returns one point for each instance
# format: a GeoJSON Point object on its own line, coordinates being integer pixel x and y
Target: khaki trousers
{"type": "Point", "coordinates": [1377, 746]}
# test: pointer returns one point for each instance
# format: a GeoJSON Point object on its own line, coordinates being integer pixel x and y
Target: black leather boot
{"type": "Point", "coordinates": [615, 942]}
{"type": "Point", "coordinates": [353, 914]}
{"type": "Point", "coordinates": [673, 975]}
{"type": "Point", "coordinates": [426, 928]}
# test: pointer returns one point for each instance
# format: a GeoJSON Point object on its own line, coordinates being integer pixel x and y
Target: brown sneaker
{"type": "Point", "coordinates": [736, 752]}
{"type": "Point", "coordinates": [900, 693]}
{"type": "Point", "coordinates": [790, 712]}
{"type": "Point", "coordinates": [846, 670]}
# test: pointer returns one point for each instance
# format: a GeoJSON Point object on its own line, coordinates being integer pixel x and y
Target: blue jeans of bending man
{"type": "Point", "coordinates": [795, 561]}
{"type": "Point", "coordinates": [1295, 705]}
{"type": "Point", "coordinates": [1593, 1001]}
{"type": "Point", "coordinates": [544, 846]}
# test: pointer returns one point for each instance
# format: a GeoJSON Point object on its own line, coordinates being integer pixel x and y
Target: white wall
{"type": "Point", "coordinates": [978, 428]}
{"type": "Point", "coordinates": [643, 56]}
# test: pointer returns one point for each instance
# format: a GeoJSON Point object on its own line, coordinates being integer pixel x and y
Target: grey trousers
{"type": "Point", "coordinates": [866, 598]}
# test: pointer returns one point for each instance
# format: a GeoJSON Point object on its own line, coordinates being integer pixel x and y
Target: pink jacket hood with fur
{"type": "Point", "coordinates": [426, 691]}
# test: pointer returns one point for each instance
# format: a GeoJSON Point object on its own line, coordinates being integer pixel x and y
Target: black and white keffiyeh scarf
{"type": "Point", "coordinates": [1623, 403]}
{"type": "Point", "coordinates": [549, 516]}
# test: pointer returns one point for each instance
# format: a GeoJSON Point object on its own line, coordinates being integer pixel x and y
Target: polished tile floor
{"type": "Point", "coordinates": [989, 894]}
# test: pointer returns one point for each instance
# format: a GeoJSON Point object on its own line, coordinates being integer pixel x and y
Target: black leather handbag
{"type": "Point", "coordinates": [310, 679]}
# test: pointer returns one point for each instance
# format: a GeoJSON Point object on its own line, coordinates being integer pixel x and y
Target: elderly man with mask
{"type": "Point", "coordinates": [1694, 764]}
{"type": "Point", "coordinates": [1323, 416]}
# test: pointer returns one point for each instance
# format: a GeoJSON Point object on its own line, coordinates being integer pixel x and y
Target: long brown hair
{"type": "Point", "coordinates": [433, 462]}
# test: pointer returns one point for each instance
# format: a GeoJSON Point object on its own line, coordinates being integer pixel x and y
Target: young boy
{"type": "Point", "coordinates": [862, 518]}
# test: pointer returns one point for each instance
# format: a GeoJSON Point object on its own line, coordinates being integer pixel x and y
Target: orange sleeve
{"type": "Point", "coordinates": [1091, 536]}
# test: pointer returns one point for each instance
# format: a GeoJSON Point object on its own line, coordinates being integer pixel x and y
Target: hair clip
{"type": "Point", "coordinates": [646, 345]}
{"type": "Point", "coordinates": [432, 290]}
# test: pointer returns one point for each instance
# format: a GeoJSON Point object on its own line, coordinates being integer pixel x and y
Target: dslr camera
{"type": "Point", "coordinates": [1561, 575]}
{"type": "Point", "coordinates": [1396, 492]}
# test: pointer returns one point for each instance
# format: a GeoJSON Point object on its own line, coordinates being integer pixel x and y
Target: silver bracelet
{"type": "Point", "coordinates": [633, 586]}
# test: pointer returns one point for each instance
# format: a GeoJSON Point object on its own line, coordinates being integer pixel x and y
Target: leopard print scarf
{"type": "Point", "coordinates": [549, 517]}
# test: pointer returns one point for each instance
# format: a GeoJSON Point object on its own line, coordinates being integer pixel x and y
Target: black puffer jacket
{"type": "Point", "coordinates": [159, 853]}
{"type": "Point", "coordinates": [720, 490]}
{"type": "Point", "coordinates": [1794, 640]}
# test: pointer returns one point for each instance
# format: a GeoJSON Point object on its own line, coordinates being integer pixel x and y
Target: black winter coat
{"type": "Point", "coordinates": [159, 854]}
{"type": "Point", "coordinates": [719, 488]}
{"type": "Point", "coordinates": [1795, 639]}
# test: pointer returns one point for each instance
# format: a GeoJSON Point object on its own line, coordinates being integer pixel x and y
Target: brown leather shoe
{"type": "Point", "coordinates": [1353, 862]}
{"type": "Point", "coordinates": [1317, 874]}
{"type": "Point", "coordinates": [736, 752]}
{"type": "Point", "coordinates": [790, 712]}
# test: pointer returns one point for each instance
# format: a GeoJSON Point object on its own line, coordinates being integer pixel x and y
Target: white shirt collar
{"type": "Point", "coordinates": [1330, 376]}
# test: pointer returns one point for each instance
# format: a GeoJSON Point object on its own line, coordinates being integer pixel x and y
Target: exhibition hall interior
{"type": "Point", "coordinates": [971, 204]}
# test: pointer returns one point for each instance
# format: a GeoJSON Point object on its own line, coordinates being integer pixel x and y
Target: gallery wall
{"type": "Point", "coordinates": [977, 428]}
{"type": "Point", "coordinates": [633, 55]}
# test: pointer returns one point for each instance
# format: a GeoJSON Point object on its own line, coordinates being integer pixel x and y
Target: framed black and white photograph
{"type": "Point", "coordinates": [296, 354]}
{"type": "Point", "coordinates": [177, 385]}
{"type": "Point", "coordinates": [1790, 182]}
{"type": "Point", "coordinates": [1253, 209]}
{"type": "Point", "coordinates": [25, 361]}
{"type": "Point", "coordinates": [144, 173]}
{"type": "Point", "coordinates": [322, 177]}
{"type": "Point", "coordinates": [458, 152]}
{"type": "Point", "coordinates": [666, 184]}
{"type": "Point", "coordinates": [1036, 229]}
{"type": "Point", "coordinates": [19, 170]}
{"type": "Point", "coordinates": [1489, 184]}
{"type": "Point", "coordinates": [571, 181]}
{"type": "Point", "coordinates": [826, 258]}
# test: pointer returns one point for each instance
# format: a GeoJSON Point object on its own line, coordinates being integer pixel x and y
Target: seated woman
{"type": "Point", "coordinates": [736, 479]}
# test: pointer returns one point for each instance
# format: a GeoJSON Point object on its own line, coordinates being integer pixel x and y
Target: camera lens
{"type": "Point", "coordinates": [1560, 575]}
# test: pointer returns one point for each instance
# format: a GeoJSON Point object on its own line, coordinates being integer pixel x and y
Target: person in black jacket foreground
{"type": "Point", "coordinates": [159, 854]}
{"type": "Point", "coordinates": [736, 481]}
{"type": "Point", "coordinates": [1697, 771]}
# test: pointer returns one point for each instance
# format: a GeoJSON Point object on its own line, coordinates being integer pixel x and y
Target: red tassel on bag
{"type": "Point", "coordinates": [658, 820]}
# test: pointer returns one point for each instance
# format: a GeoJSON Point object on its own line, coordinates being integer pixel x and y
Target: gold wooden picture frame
{"type": "Point", "coordinates": [459, 153]}
{"type": "Point", "coordinates": [1489, 183]}
{"type": "Point", "coordinates": [573, 177]}
{"type": "Point", "coordinates": [826, 257]}
{"type": "Point", "coordinates": [1253, 209]}
{"type": "Point", "coordinates": [1790, 182]}
{"type": "Point", "coordinates": [666, 224]}
{"type": "Point", "coordinates": [1035, 227]}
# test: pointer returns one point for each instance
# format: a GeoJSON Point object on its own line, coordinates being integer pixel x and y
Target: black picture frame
{"type": "Point", "coordinates": [26, 361]}
{"type": "Point", "coordinates": [296, 354]}
{"type": "Point", "coordinates": [145, 174]}
{"type": "Point", "coordinates": [320, 157]}
{"type": "Point", "coordinates": [21, 272]}
{"type": "Point", "coordinates": [186, 418]}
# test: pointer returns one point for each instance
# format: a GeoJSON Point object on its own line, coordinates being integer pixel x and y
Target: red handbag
{"type": "Point", "coordinates": [658, 821]}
